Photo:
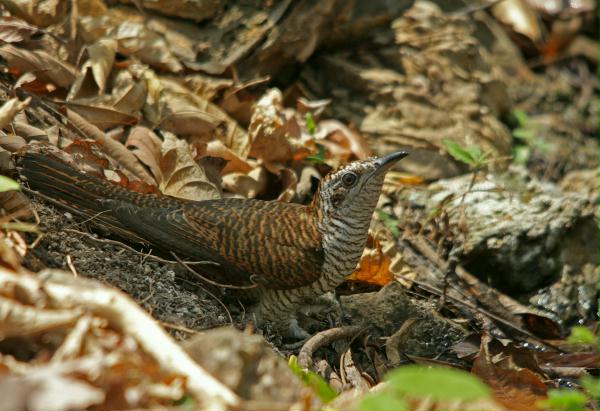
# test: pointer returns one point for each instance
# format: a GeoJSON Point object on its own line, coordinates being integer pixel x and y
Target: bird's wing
{"type": "Point", "coordinates": [278, 244]}
{"type": "Point", "coordinates": [251, 241]}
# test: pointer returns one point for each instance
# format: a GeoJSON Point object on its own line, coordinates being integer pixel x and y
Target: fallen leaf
{"type": "Point", "coordinates": [114, 149]}
{"type": "Point", "coordinates": [9, 110]}
{"type": "Point", "coordinates": [102, 117]}
{"type": "Point", "coordinates": [517, 389]}
{"type": "Point", "coordinates": [374, 266]}
{"type": "Point", "coordinates": [102, 56]}
{"type": "Point", "coordinates": [182, 176]}
{"type": "Point", "coordinates": [46, 67]}
{"type": "Point", "coordinates": [146, 146]}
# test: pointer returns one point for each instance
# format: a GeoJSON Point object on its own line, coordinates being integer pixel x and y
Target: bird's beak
{"type": "Point", "coordinates": [386, 162]}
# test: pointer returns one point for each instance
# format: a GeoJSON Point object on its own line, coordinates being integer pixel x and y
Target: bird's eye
{"type": "Point", "coordinates": [349, 179]}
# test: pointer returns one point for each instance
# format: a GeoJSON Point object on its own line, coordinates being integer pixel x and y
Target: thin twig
{"type": "Point", "coordinates": [71, 266]}
{"type": "Point", "coordinates": [209, 281]}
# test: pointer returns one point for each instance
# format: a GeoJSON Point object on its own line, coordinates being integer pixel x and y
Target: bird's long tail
{"type": "Point", "coordinates": [82, 193]}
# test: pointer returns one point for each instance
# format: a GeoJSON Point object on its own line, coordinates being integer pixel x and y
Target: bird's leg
{"type": "Point", "coordinates": [278, 308]}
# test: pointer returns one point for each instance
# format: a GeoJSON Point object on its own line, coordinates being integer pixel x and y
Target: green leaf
{"type": "Point", "coordinates": [581, 335]}
{"type": "Point", "coordinates": [458, 152]}
{"type": "Point", "coordinates": [564, 400]}
{"type": "Point", "coordinates": [521, 154]}
{"type": "Point", "coordinates": [437, 383]}
{"type": "Point", "coordinates": [390, 222]}
{"type": "Point", "coordinates": [187, 402]}
{"type": "Point", "coordinates": [313, 380]}
{"type": "Point", "coordinates": [383, 401]}
{"type": "Point", "coordinates": [318, 158]}
{"type": "Point", "coordinates": [591, 386]}
{"type": "Point", "coordinates": [8, 184]}
{"type": "Point", "coordinates": [521, 116]}
{"type": "Point", "coordinates": [475, 152]}
{"type": "Point", "coordinates": [526, 134]}
{"type": "Point", "coordinates": [311, 124]}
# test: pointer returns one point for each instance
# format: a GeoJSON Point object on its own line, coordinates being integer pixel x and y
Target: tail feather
{"type": "Point", "coordinates": [82, 193]}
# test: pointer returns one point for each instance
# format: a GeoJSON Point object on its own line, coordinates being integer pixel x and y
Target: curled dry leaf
{"type": "Point", "coordinates": [335, 132]}
{"type": "Point", "coordinates": [102, 56]}
{"type": "Point", "coordinates": [9, 110]}
{"type": "Point", "coordinates": [138, 39]}
{"type": "Point", "coordinates": [374, 266]}
{"type": "Point", "coordinates": [15, 31]}
{"type": "Point", "coordinates": [234, 162]}
{"type": "Point", "coordinates": [516, 388]}
{"type": "Point", "coordinates": [146, 146]}
{"type": "Point", "coordinates": [247, 185]}
{"type": "Point", "coordinates": [521, 17]}
{"type": "Point", "coordinates": [45, 66]}
{"type": "Point", "coordinates": [182, 177]}
{"type": "Point", "coordinates": [114, 149]}
{"type": "Point", "coordinates": [275, 137]}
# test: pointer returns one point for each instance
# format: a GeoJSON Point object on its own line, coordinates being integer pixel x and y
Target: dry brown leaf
{"type": "Point", "coordinates": [130, 99]}
{"type": "Point", "coordinates": [114, 149]}
{"type": "Point", "coordinates": [338, 133]}
{"type": "Point", "coordinates": [39, 12]}
{"type": "Point", "coordinates": [234, 162]}
{"type": "Point", "coordinates": [47, 388]}
{"type": "Point", "coordinates": [14, 30]}
{"type": "Point", "coordinates": [9, 110]}
{"type": "Point", "coordinates": [517, 389]}
{"type": "Point", "coordinates": [101, 117]}
{"type": "Point", "coordinates": [146, 146]}
{"type": "Point", "coordinates": [182, 176]}
{"type": "Point", "coordinates": [138, 39]}
{"type": "Point", "coordinates": [12, 142]}
{"type": "Point", "coordinates": [521, 17]}
{"type": "Point", "coordinates": [374, 266]}
{"type": "Point", "coordinates": [30, 83]}
{"type": "Point", "coordinates": [247, 185]}
{"type": "Point", "coordinates": [275, 137]}
{"type": "Point", "coordinates": [102, 56]}
{"type": "Point", "coordinates": [45, 66]}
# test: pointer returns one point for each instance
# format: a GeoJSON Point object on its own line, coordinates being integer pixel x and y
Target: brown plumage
{"type": "Point", "coordinates": [292, 252]}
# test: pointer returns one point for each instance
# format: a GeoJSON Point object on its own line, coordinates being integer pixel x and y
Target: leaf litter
{"type": "Point", "coordinates": [132, 96]}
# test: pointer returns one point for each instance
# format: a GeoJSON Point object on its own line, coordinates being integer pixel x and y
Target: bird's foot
{"type": "Point", "coordinates": [287, 328]}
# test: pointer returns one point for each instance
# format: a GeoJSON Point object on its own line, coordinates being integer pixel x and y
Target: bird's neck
{"type": "Point", "coordinates": [344, 234]}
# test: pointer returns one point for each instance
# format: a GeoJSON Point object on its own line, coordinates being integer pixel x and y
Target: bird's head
{"type": "Point", "coordinates": [352, 191]}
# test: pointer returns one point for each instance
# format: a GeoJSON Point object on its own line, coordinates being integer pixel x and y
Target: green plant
{"type": "Point", "coordinates": [581, 335]}
{"type": "Point", "coordinates": [389, 221]}
{"type": "Point", "coordinates": [313, 380]}
{"type": "Point", "coordinates": [527, 133]}
{"type": "Point", "coordinates": [565, 399]}
{"type": "Point", "coordinates": [423, 383]}
{"type": "Point", "coordinates": [471, 155]}
{"type": "Point", "coordinates": [318, 158]}
{"type": "Point", "coordinates": [311, 124]}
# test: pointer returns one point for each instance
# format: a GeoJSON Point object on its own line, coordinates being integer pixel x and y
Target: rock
{"type": "Point", "coordinates": [246, 364]}
{"type": "Point", "coordinates": [518, 232]}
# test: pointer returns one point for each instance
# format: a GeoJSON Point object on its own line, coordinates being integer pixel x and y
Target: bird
{"type": "Point", "coordinates": [292, 253]}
